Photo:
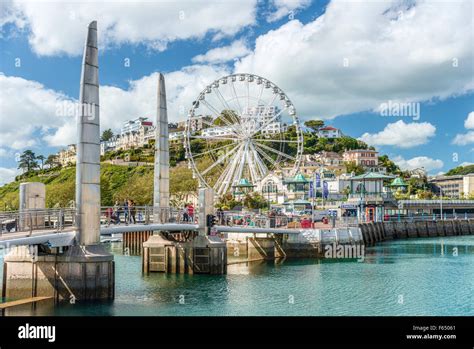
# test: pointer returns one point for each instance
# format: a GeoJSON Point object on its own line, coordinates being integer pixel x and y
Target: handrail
{"type": "Point", "coordinates": [30, 220]}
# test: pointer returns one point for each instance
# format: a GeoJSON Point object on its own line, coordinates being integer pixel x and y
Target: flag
{"type": "Point", "coordinates": [325, 190]}
{"type": "Point", "coordinates": [318, 180]}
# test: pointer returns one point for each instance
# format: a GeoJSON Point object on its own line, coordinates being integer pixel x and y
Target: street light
{"type": "Point", "coordinates": [441, 202]}
{"type": "Point", "coordinates": [313, 194]}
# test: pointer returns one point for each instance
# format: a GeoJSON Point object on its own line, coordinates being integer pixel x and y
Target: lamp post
{"type": "Point", "coordinates": [268, 197]}
{"type": "Point", "coordinates": [441, 202]}
{"type": "Point", "coordinates": [313, 194]}
{"type": "Point", "coordinates": [321, 183]}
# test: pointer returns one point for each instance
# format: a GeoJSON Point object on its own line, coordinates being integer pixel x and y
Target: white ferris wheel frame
{"type": "Point", "coordinates": [246, 149]}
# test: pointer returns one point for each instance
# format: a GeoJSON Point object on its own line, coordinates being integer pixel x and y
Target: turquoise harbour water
{"type": "Point", "coordinates": [404, 277]}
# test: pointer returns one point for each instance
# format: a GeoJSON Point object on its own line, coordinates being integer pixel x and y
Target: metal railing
{"type": "Point", "coordinates": [120, 215]}
{"type": "Point", "coordinates": [51, 219]}
{"type": "Point", "coordinates": [251, 219]}
{"type": "Point", "coordinates": [427, 217]}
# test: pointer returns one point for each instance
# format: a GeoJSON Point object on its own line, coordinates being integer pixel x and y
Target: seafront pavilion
{"type": "Point", "coordinates": [368, 192]}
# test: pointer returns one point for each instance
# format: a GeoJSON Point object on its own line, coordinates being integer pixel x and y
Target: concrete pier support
{"type": "Point", "coordinates": [84, 271]}
{"type": "Point", "coordinates": [132, 242]}
{"type": "Point", "coordinates": [201, 255]}
{"type": "Point", "coordinates": [80, 273]}
{"type": "Point", "coordinates": [261, 248]}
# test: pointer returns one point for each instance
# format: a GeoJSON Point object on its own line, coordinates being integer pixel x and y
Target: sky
{"type": "Point", "coordinates": [398, 75]}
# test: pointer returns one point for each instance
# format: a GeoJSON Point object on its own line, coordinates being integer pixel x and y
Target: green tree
{"type": "Point", "coordinates": [348, 143]}
{"type": "Point", "coordinates": [461, 170]}
{"type": "Point", "coordinates": [425, 194]}
{"type": "Point", "coordinates": [227, 202]}
{"type": "Point", "coordinates": [314, 125]}
{"type": "Point", "coordinates": [27, 161]}
{"type": "Point", "coordinates": [388, 164]}
{"type": "Point", "coordinates": [198, 145]}
{"type": "Point", "coordinates": [177, 153]}
{"type": "Point", "coordinates": [351, 166]}
{"type": "Point", "coordinates": [310, 142]}
{"type": "Point", "coordinates": [254, 201]}
{"type": "Point", "coordinates": [52, 161]}
{"type": "Point", "coordinates": [41, 158]}
{"type": "Point", "coordinates": [107, 135]}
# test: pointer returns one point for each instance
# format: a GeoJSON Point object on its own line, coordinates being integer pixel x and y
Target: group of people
{"type": "Point", "coordinates": [188, 213]}
{"type": "Point", "coordinates": [128, 208]}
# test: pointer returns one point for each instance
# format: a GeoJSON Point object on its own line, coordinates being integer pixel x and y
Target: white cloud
{"type": "Point", "coordinates": [390, 57]}
{"type": "Point", "coordinates": [60, 28]}
{"type": "Point", "coordinates": [7, 175]}
{"type": "Point", "coordinates": [28, 107]}
{"type": "Point", "coordinates": [401, 134]}
{"type": "Point", "coordinates": [466, 163]}
{"type": "Point", "coordinates": [37, 114]}
{"type": "Point", "coordinates": [469, 123]}
{"type": "Point", "coordinates": [224, 54]}
{"type": "Point", "coordinates": [282, 8]}
{"type": "Point", "coordinates": [417, 162]}
{"type": "Point", "coordinates": [464, 139]}
{"type": "Point", "coordinates": [182, 88]}
{"type": "Point", "coordinates": [63, 135]}
{"type": "Point", "coordinates": [468, 137]}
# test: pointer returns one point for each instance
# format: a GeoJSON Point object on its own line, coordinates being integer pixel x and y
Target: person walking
{"type": "Point", "coordinates": [185, 213]}
{"type": "Point", "coordinates": [220, 215]}
{"type": "Point", "coordinates": [125, 211]}
{"type": "Point", "coordinates": [191, 212]}
{"type": "Point", "coordinates": [133, 210]}
{"type": "Point", "coordinates": [109, 214]}
{"type": "Point", "coordinates": [116, 214]}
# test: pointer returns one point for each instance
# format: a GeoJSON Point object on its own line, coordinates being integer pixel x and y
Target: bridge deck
{"type": "Point", "coordinates": [24, 234]}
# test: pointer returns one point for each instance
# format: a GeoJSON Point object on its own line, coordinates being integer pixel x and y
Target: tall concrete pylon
{"type": "Point", "coordinates": [88, 145]}
{"type": "Point", "coordinates": [85, 271]}
{"type": "Point", "coordinates": [161, 183]}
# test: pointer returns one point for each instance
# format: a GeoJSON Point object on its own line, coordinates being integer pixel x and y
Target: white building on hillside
{"type": "Point", "coordinates": [67, 156]}
{"type": "Point", "coordinates": [134, 125]}
{"type": "Point", "coordinates": [265, 117]}
{"type": "Point", "coordinates": [217, 131]}
{"type": "Point", "coordinates": [329, 132]}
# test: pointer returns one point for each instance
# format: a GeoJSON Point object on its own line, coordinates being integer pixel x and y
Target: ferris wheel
{"type": "Point", "coordinates": [240, 128]}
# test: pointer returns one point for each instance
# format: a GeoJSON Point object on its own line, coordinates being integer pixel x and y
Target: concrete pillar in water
{"type": "Point", "coordinates": [88, 145]}
{"type": "Point", "coordinates": [202, 254]}
{"type": "Point", "coordinates": [161, 182]}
